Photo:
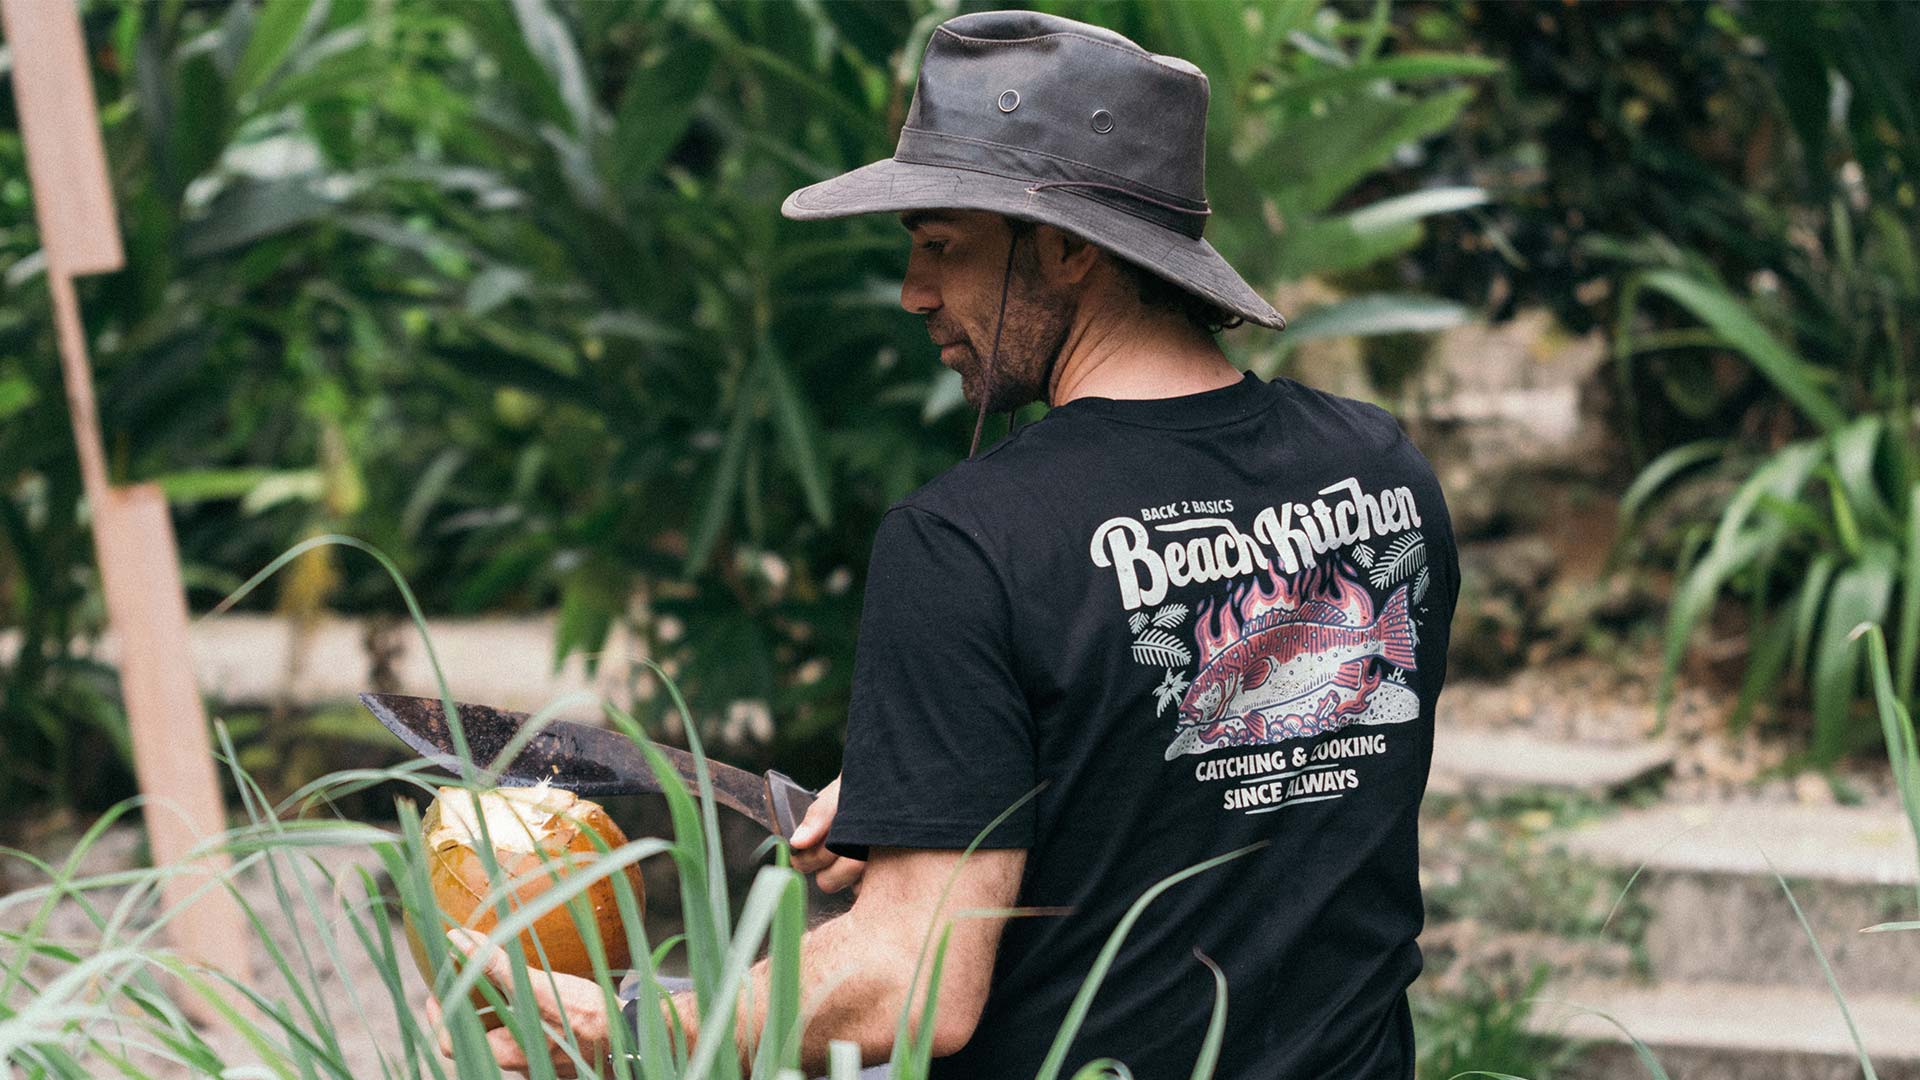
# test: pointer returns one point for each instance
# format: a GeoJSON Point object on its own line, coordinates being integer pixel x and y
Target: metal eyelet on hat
{"type": "Point", "coordinates": [1102, 121]}
{"type": "Point", "coordinates": [1009, 100]}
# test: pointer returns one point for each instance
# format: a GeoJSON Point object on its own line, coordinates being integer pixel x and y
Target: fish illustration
{"type": "Point", "coordinates": [1289, 660]}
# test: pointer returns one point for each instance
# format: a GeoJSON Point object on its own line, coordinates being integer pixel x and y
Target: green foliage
{"type": "Point", "coordinates": [503, 287]}
{"type": "Point", "coordinates": [1484, 1033]}
{"type": "Point", "coordinates": [1897, 730]}
{"type": "Point", "coordinates": [1819, 528]}
{"type": "Point", "coordinates": [104, 998]}
{"type": "Point", "coordinates": [1634, 120]}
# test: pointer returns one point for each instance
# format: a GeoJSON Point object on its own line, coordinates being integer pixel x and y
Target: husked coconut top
{"type": "Point", "coordinates": [518, 819]}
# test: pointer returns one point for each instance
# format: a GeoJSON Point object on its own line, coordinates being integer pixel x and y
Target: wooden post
{"type": "Point", "coordinates": [132, 534]}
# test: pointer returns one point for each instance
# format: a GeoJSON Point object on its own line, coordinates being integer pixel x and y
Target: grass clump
{"type": "Point", "coordinates": [89, 989]}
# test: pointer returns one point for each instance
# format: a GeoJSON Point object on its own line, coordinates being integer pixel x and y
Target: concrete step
{"type": "Point", "coordinates": [1716, 912]}
{"type": "Point", "coordinates": [1731, 1031]}
{"type": "Point", "coordinates": [1468, 761]}
{"type": "Point", "coordinates": [244, 658]}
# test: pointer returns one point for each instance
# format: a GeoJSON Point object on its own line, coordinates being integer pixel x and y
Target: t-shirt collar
{"type": "Point", "coordinates": [1208, 408]}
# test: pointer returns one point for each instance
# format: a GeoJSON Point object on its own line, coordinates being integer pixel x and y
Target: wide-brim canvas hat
{"type": "Point", "coordinates": [1053, 120]}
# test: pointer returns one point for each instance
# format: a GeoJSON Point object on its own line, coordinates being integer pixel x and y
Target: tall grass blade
{"type": "Point", "coordinates": [1797, 380]}
{"type": "Point", "coordinates": [1897, 731]}
{"type": "Point", "coordinates": [1209, 1056]}
{"type": "Point", "coordinates": [901, 1038]}
{"type": "Point", "coordinates": [1866, 1063]}
{"type": "Point", "coordinates": [1907, 634]}
{"type": "Point", "coordinates": [1083, 1001]}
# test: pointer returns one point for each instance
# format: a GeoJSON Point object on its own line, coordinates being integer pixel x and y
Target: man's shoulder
{"type": "Point", "coordinates": [1000, 477]}
{"type": "Point", "coordinates": [1372, 423]}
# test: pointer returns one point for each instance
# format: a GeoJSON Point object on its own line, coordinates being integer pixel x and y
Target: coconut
{"type": "Point", "coordinates": [524, 824]}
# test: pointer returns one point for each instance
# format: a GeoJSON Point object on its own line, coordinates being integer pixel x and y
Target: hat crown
{"type": "Point", "coordinates": [1039, 97]}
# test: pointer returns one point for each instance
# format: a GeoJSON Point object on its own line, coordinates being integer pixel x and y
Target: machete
{"type": "Point", "coordinates": [584, 760]}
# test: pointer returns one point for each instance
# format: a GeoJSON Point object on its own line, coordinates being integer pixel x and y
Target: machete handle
{"type": "Point", "coordinates": [788, 802]}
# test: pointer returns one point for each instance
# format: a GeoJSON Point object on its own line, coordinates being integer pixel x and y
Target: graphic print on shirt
{"type": "Point", "coordinates": [1296, 661]}
{"type": "Point", "coordinates": [1313, 629]}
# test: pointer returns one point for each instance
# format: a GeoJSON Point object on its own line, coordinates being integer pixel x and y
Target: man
{"type": "Point", "coordinates": [1186, 613]}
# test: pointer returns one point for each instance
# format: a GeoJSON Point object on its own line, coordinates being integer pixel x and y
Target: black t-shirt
{"type": "Point", "coordinates": [1201, 622]}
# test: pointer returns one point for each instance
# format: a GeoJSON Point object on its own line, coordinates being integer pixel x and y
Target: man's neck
{"type": "Point", "coordinates": [1138, 361]}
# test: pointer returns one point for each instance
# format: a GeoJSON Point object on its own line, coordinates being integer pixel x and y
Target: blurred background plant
{"type": "Point", "coordinates": [1728, 192]}
{"type": "Point", "coordinates": [1802, 498]}
{"type": "Point", "coordinates": [504, 290]}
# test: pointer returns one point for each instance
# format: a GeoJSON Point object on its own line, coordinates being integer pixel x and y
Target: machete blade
{"type": "Point", "coordinates": [585, 760]}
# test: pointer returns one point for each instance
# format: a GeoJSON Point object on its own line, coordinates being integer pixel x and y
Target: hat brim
{"type": "Point", "coordinates": [891, 185]}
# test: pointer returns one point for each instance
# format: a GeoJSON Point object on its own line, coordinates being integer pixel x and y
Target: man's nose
{"type": "Point", "coordinates": [917, 293]}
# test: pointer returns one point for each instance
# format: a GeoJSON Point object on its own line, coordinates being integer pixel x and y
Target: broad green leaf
{"type": "Point", "coordinates": [1861, 593]}
{"type": "Point", "coordinates": [1371, 315]}
{"type": "Point", "coordinates": [1855, 449]}
{"type": "Point", "coordinates": [1897, 730]}
{"type": "Point", "coordinates": [1807, 604]}
{"type": "Point", "coordinates": [1781, 476]}
{"type": "Point", "coordinates": [275, 30]}
{"type": "Point", "coordinates": [1694, 598]}
{"type": "Point", "coordinates": [198, 109]}
{"type": "Point", "coordinates": [634, 326]}
{"type": "Point", "coordinates": [1907, 636]}
{"type": "Point", "coordinates": [1799, 381]}
{"type": "Point", "coordinates": [1391, 69]}
{"type": "Point", "coordinates": [656, 107]}
{"type": "Point", "coordinates": [191, 486]}
{"type": "Point", "coordinates": [1733, 548]}
{"type": "Point", "coordinates": [1328, 245]}
{"type": "Point", "coordinates": [494, 286]}
{"type": "Point", "coordinates": [550, 41]}
{"type": "Point", "coordinates": [251, 211]}
{"type": "Point", "coordinates": [497, 25]}
{"type": "Point", "coordinates": [1415, 206]}
{"type": "Point", "coordinates": [1766, 661]}
{"type": "Point", "coordinates": [592, 598]}
{"type": "Point", "coordinates": [721, 486]}
{"type": "Point", "coordinates": [1661, 470]}
{"type": "Point", "coordinates": [1895, 247]}
{"type": "Point", "coordinates": [359, 66]}
{"type": "Point", "coordinates": [1312, 160]}
{"type": "Point", "coordinates": [271, 490]}
{"type": "Point", "coordinates": [797, 431]}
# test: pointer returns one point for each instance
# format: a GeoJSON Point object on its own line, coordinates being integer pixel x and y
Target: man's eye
{"type": "Point", "coordinates": [933, 245]}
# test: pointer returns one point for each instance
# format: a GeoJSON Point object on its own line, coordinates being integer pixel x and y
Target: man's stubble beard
{"type": "Point", "coordinates": [1037, 325]}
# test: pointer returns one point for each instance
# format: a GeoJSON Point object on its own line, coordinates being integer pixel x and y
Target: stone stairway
{"type": "Point", "coordinates": [1729, 988]}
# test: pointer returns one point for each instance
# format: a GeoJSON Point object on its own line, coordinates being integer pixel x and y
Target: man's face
{"type": "Point", "coordinates": [954, 276]}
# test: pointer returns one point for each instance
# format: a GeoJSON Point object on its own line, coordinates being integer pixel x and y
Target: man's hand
{"type": "Point", "coordinates": [810, 855]}
{"type": "Point", "coordinates": [567, 1002]}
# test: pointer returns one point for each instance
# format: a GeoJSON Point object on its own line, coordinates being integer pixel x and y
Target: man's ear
{"type": "Point", "coordinates": [1065, 257]}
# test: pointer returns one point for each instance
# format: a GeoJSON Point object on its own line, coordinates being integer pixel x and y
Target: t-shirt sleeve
{"type": "Point", "coordinates": [939, 737]}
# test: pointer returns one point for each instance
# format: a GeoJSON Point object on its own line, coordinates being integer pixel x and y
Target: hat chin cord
{"type": "Point", "coordinates": [1006, 278]}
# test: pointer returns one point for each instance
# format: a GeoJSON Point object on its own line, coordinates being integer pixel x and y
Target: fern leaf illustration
{"type": "Point", "coordinates": [1136, 622]}
{"type": "Point", "coordinates": [1161, 649]}
{"type": "Point", "coordinates": [1363, 555]}
{"type": "Point", "coordinates": [1170, 616]}
{"type": "Point", "coordinates": [1169, 691]}
{"type": "Point", "coordinates": [1420, 585]}
{"type": "Point", "coordinates": [1401, 559]}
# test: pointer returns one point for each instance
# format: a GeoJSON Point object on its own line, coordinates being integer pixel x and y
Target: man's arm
{"type": "Point", "coordinates": [856, 970]}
